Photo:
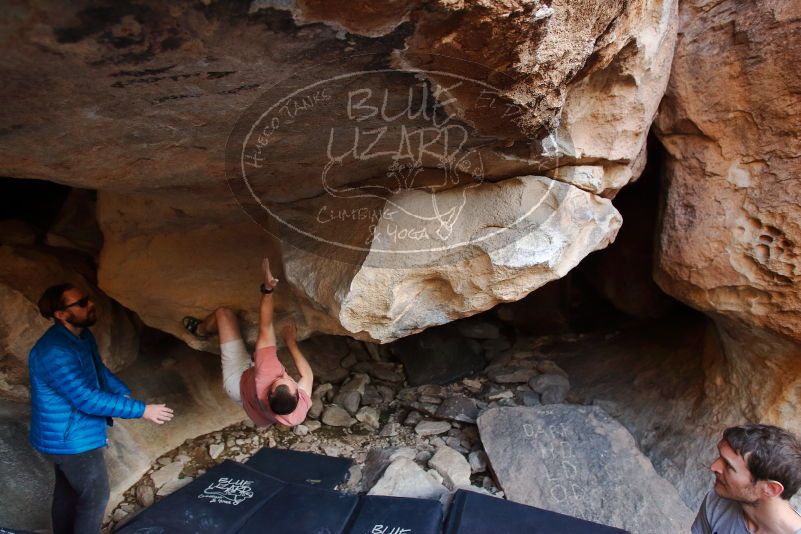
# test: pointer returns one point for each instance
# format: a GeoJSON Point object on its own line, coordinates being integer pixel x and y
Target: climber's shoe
{"type": "Point", "coordinates": [191, 324]}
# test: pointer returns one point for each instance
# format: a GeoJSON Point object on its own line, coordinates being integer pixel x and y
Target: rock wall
{"type": "Point", "coordinates": [25, 272]}
{"type": "Point", "coordinates": [148, 93]}
{"type": "Point", "coordinates": [731, 226]}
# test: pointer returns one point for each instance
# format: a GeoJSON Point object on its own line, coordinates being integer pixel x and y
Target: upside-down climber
{"type": "Point", "coordinates": [264, 389]}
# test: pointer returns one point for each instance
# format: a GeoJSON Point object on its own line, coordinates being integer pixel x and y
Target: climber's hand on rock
{"type": "Point", "coordinates": [158, 413]}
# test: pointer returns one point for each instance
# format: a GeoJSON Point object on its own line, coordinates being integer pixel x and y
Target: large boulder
{"type": "Point", "coordinates": [25, 272]}
{"type": "Point", "coordinates": [731, 225]}
{"type": "Point", "coordinates": [578, 461]}
{"type": "Point", "coordinates": [555, 98]}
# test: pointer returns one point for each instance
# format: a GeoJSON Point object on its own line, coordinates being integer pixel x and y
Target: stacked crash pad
{"type": "Point", "coordinates": [285, 491]}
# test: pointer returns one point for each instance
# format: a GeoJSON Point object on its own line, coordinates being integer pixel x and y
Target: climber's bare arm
{"type": "Point", "coordinates": [289, 334]}
{"type": "Point", "coordinates": [266, 336]}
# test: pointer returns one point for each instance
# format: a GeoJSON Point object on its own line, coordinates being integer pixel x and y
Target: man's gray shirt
{"type": "Point", "coordinates": [720, 516]}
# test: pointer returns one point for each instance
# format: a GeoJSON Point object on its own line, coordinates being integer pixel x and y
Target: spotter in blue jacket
{"type": "Point", "coordinates": [73, 394]}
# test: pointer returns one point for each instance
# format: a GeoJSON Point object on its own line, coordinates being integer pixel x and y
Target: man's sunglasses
{"type": "Point", "coordinates": [81, 303]}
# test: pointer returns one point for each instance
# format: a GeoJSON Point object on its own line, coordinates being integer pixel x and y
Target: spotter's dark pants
{"type": "Point", "coordinates": [81, 493]}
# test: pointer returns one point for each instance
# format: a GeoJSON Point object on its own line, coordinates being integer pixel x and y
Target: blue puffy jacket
{"type": "Point", "coordinates": [73, 393]}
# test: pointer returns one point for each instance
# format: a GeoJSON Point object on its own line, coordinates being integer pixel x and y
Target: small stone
{"type": "Point", "coordinates": [412, 418]}
{"type": "Point", "coordinates": [549, 366]}
{"type": "Point", "coordinates": [429, 399]}
{"type": "Point", "coordinates": [349, 400]}
{"type": "Point", "coordinates": [453, 467]}
{"type": "Point", "coordinates": [554, 395]}
{"type": "Point", "coordinates": [458, 408]}
{"type": "Point", "coordinates": [430, 389]}
{"type": "Point", "coordinates": [354, 475]}
{"type": "Point", "coordinates": [456, 444]}
{"type": "Point", "coordinates": [478, 461]}
{"type": "Point", "coordinates": [215, 449]}
{"type": "Point", "coordinates": [540, 382]}
{"type": "Point", "coordinates": [356, 383]}
{"type": "Point", "coordinates": [371, 397]}
{"type": "Point", "coordinates": [173, 485]}
{"type": "Point", "coordinates": [404, 478]}
{"type": "Point", "coordinates": [389, 430]}
{"type": "Point", "coordinates": [407, 394]}
{"type": "Point", "coordinates": [436, 442]}
{"type": "Point", "coordinates": [431, 428]}
{"type": "Point", "coordinates": [543, 12]}
{"type": "Point", "coordinates": [505, 394]}
{"type": "Point", "coordinates": [384, 371]}
{"type": "Point", "coordinates": [427, 408]}
{"type": "Point", "coordinates": [337, 416]}
{"type": "Point", "coordinates": [386, 392]}
{"type": "Point", "coordinates": [322, 389]}
{"type": "Point", "coordinates": [472, 384]}
{"type": "Point", "coordinates": [119, 515]}
{"type": "Point", "coordinates": [313, 425]}
{"type": "Point", "coordinates": [332, 450]}
{"type": "Point", "coordinates": [528, 398]}
{"type": "Point", "coordinates": [423, 456]}
{"type": "Point", "coordinates": [316, 408]}
{"type": "Point", "coordinates": [368, 416]}
{"type": "Point", "coordinates": [512, 376]}
{"type": "Point", "coordinates": [166, 474]}
{"type": "Point", "coordinates": [300, 430]}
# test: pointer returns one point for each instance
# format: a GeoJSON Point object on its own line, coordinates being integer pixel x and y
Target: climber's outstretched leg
{"type": "Point", "coordinates": [234, 357]}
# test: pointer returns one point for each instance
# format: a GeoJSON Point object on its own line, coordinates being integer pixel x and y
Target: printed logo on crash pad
{"type": "Point", "coordinates": [228, 491]}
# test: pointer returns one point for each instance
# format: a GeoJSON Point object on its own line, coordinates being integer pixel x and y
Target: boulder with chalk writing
{"type": "Point", "coordinates": [577, 460]}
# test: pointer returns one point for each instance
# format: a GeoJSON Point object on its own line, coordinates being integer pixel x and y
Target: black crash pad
{"type": "Point", "coordinates": [220, 501]}
{"type": "Point", "coordinates": [473, 513]}
{"type": "Point", "coordinates": [298, 467]}
{"type": "Point", "coordinates": [302, 509]}
{"type": "Point", "coordinates": [396, 515]}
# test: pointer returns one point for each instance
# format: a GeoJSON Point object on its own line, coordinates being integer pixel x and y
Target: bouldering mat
{"type": "Point", "coordinates": [302, 509]}
{"type": "Point", "coordinates": [301, 467]}
{"type": "Point", "coordinates": [378, 514]}
{"type": "Point", "coordinates": [219, 501]}
{"type": "Point", "coordinates": [473, 513]}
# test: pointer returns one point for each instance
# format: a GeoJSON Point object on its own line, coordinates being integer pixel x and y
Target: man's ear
{"type": "Point", "coordinates": [772, 488]}
{"type": "Point", "coordinates": [60, 315]}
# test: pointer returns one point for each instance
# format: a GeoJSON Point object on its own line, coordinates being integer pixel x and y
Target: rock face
{"type": "Point", "coordinates": [26, 478]}
{"type": "Point", "coordinates": [555, 103]}
{"type": "Point", "coordinates": [577, 460]}
{"type": "Point", "coordinates": [729, 241]}
{"type": "Point", "coordinates": [25, 272]}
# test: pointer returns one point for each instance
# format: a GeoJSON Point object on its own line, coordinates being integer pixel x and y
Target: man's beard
{"type": "Point", "coordinates": [90, 320]}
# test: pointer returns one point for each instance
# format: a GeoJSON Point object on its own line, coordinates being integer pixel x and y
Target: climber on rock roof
{"type": "Point", "coordinates": [265, 390]}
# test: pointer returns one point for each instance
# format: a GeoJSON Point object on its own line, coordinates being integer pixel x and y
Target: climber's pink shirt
{"type": "Point", "coordinates": [253, 389]}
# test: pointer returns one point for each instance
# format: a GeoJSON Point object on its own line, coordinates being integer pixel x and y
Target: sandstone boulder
{"type": "Point", "coordinates": [578, 461]}
{"type": "Point", "coordinates": [730, 231]}
{"type": "Point", "coordinates": [149, 94]}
